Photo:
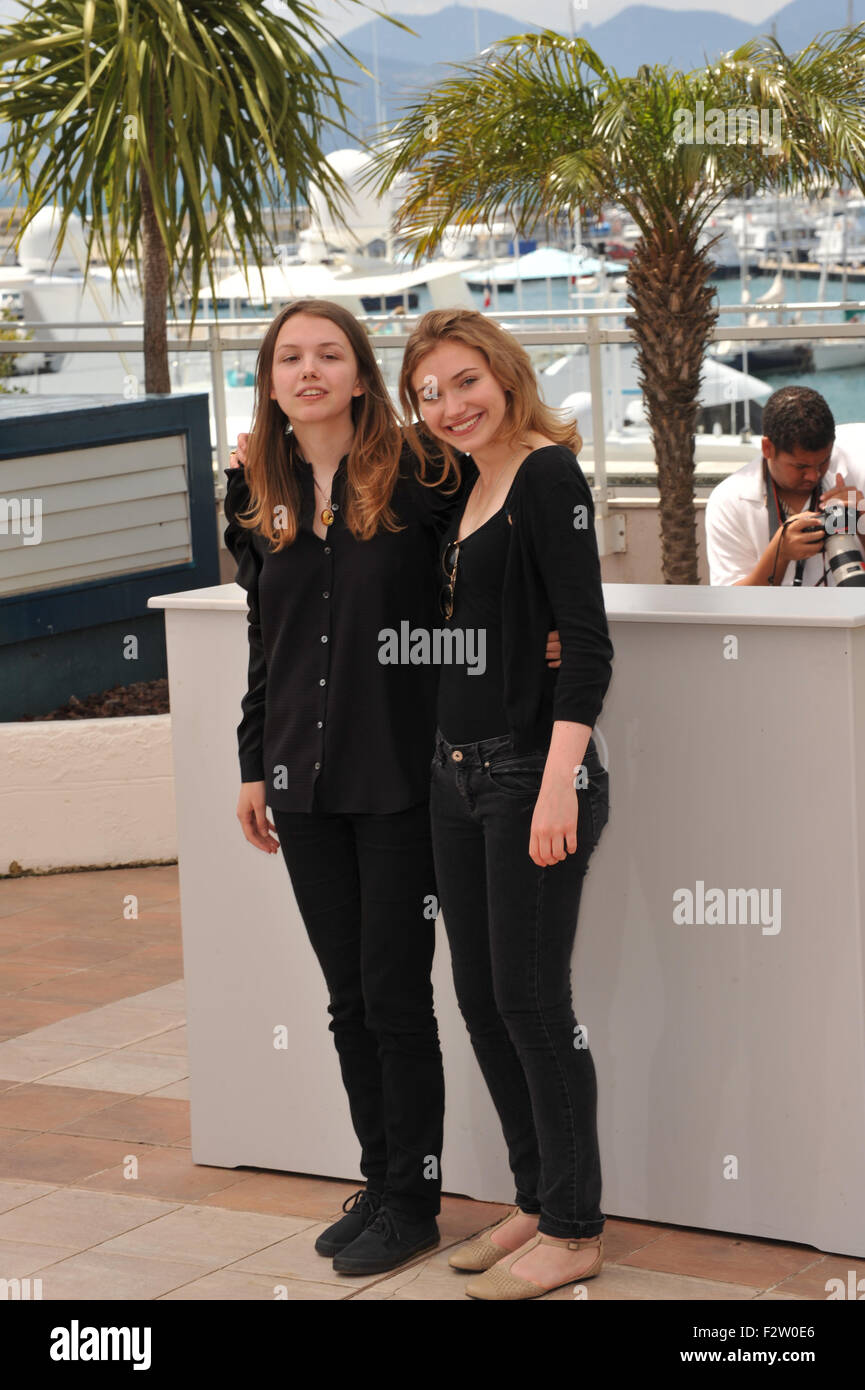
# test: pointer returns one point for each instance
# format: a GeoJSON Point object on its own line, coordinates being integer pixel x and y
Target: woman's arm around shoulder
{"type": "Point", "coordinates": [437, 493]}
{"type": "Point", "coordinates": [236, 500]}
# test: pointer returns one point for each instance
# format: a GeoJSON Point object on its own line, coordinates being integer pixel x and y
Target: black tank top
{"type": "Point", "coordinates": [471, 692]}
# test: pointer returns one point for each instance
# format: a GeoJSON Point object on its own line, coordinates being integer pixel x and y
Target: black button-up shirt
{"type": "Point", "coordinates": [323, 715]}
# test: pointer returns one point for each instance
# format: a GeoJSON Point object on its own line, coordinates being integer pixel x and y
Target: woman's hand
{"type": "Point", "coordinates": [252, 814]}
{"type": "Point", "coordinates": [238, 456]}
{"type": "Point", "coordinates": [554, 823]}
{"type": "Point", "coordinates": [553, 654]}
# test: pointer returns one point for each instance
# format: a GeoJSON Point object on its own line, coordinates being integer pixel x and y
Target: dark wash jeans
{"type": "Point", "coordinates": [511, 927]}
{"type": "Point", "coordinates": [363, 884]}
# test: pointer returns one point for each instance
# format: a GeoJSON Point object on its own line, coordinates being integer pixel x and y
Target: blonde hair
{"type": "Point", "coordinates": [509, 363]}
{"type": "Point", "coordinates": [373, 461]}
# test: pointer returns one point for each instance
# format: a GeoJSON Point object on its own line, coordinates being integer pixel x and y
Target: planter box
{"type": "Point", "coordinates": [87, 793]}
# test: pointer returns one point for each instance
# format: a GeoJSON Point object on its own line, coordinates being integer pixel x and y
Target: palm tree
{"type": "Point", "coordinates": [158, 123]}
{"type": "Point", "coordinates": [540, 125]}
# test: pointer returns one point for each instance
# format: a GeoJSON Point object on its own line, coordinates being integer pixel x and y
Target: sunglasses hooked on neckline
{"type": "Point", "coordinates": [450, 563]}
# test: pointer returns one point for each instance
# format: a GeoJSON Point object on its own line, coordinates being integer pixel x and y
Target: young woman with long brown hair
{"type": "Point", "coordinates": [335, 522]}
{"type": "Point", "coordinates": [513, 828]}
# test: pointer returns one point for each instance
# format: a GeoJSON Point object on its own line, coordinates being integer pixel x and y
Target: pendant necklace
{"type": "Point", "coordinates": [327, 510]}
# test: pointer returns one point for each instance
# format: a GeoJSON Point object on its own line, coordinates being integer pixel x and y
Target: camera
{"type": "Point", "coordinates": [841, 546]}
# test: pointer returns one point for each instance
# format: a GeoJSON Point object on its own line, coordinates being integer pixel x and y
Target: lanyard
{"type": "Point", "coordinates": [774, 506]}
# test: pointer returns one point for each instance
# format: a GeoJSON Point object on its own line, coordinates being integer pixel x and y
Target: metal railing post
{"type": "Point", "coordinates": [217, 382]}
{"type": "Point", "coordinates": [596, 390]}
{"type": "Point", "coordinates": [610, 530]}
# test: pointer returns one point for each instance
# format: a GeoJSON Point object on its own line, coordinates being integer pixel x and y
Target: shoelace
{"type": "Point", "coordinates": [356, 1198]}
{"type": "Point", "coordinates": [383, 1224]}
{"type": "Point", "coordinates": [351, 1202]}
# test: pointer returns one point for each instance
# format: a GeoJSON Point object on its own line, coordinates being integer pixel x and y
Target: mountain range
{"type": "Point", "coordinates": [638, 34]}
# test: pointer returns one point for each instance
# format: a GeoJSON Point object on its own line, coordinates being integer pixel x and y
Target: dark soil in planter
{"type": "Point", "coordinates": [144, 697]}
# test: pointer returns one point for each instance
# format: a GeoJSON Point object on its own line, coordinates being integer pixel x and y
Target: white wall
{"type": "Point", "coordinates": [79, 793]}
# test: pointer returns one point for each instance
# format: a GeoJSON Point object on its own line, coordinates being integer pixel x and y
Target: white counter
{"type": "Point", "coordinates": [730, 1058]}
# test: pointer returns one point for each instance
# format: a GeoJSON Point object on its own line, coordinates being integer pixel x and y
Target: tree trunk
{"type": "Point", "coordinates": [155, 293]}
{"type": "Point", "coordinates": [672, 322]}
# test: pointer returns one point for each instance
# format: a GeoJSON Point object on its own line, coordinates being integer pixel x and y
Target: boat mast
{"type": "Point", "coordinates": [376, 83]}
{"type": "Point", "coordinates": [844, 243]}
{"type": "Point", "coordinates": [744, 277]}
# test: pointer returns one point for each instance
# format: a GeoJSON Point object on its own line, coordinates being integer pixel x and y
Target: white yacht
{"type": "Point", "coordinates": [841, 235]}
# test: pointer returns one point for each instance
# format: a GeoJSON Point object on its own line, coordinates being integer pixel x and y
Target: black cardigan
{"type": "Point", "coordinates": [552, 580]}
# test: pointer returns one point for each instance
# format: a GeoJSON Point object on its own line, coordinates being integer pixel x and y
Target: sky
{"type": "Point", "coordinates": [340, 16]}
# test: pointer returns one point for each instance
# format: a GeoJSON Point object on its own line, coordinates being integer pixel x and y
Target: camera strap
{"type": "Point", "coordinates": [774, 507]}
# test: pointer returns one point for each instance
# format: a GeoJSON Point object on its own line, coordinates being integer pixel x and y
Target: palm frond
{"type": "Point", "coordinates": [219, 103]}
{"type": "Point", "coordinates": [540, 124]}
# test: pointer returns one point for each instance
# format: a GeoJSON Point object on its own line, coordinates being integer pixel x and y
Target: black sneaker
{"type": "Point", "coordinates": [389, 1240]}
{"type": "Point", "coordinates": [360, 1208]}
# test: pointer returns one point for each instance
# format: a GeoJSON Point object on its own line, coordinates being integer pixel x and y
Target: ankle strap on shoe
{"type": "Point", "coordinates": [576, 1244]}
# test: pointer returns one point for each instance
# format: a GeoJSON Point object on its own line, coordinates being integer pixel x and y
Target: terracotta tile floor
{"type": "Point", "coordinates": [93, 1077]}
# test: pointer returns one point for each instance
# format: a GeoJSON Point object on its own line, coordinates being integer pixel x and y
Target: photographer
{"type": "Point", "coordinates": [765, 523]}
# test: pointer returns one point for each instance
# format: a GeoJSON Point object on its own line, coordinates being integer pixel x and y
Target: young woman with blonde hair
{"type": "Point", "coordinates": [335, 523]}
{"type": "Point", "coordinates": [519, 795]}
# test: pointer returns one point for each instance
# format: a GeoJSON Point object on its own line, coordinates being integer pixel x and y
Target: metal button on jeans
{"type": "Point", "coordinates": [457, 756]}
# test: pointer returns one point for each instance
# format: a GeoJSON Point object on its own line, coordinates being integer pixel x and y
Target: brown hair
{"type": "Point", "coordinates": [509, 363]}
{"type": "Point", "coordinates": [373, 461]}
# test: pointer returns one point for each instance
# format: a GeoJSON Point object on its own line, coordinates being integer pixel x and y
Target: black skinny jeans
{"type": "Point", "coordinates": [365, 887]}
{"type": "Point", "coordinates": [511, 927]}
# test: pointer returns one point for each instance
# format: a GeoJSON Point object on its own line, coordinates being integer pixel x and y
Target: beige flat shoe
{"type": "Point", "coordinates": [480, 1254]}
{"type": "Point", "coordinates": [499, 1283]}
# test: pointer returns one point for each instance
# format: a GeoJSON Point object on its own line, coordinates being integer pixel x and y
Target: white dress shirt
{"type": "Point", "coordinates": [737, 518]}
